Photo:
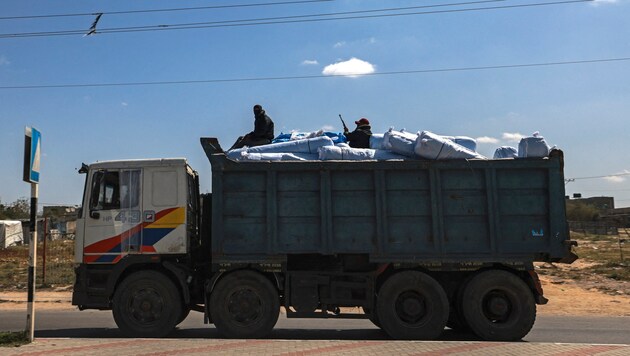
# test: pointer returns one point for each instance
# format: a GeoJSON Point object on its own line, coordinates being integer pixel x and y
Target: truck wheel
{"type": "Point", "coordinates": [498, 306]}
{"type": "Point", "coordinates": [183, 315]}
{"type": "Point", "coordinates": [146, 304]}
{"type": "Point", "coordinates": [373, 318]}
{"type": "Point", "coordinates": [412, 306]}
{"type": "Point", "coordinates": [456, 320]}
{"type": "Point", "coordinates": [244, 304]}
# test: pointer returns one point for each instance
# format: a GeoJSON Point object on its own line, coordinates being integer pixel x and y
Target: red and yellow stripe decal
{"type": "Point", "coordinates": [110, 249]}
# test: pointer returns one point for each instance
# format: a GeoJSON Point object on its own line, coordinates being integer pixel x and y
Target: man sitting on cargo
{"type": "Point", "coordinates": [263, 131]}
{"type": "Point", "coordinates": [360, 137]}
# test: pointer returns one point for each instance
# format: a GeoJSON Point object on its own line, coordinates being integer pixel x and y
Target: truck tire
{"type": "Point", "coordinates": [456, 320]}
{"type": "Point", "coordinates": [373, 318]}
{"type": "Point", "coordinates": [183, 315]}
{"type": "Point", "coordinates": [498, 306]}
{"type": "Point", "coordinates": [412, 306]}
{"type": "Point", "coordinates": [244, 304]}
{"type": "Point", "coordinates": [146, 304]}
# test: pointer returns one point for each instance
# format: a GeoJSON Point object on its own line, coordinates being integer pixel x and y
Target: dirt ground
{"type": "Point", "coordinates": [566, 297]}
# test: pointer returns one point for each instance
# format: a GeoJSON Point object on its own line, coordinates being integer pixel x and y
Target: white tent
{"type": "Point", "coordinates": [10, 233]}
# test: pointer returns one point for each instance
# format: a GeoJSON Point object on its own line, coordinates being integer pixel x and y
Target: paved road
{"type": "Point", "coordinates": [100, 324]}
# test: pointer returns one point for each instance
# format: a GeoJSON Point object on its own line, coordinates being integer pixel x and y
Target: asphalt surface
{"type": "Point", "coordinates": [100, 324]}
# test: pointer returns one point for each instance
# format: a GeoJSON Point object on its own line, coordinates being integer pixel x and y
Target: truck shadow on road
{"type": "Point", "coordinates": [277, 334]}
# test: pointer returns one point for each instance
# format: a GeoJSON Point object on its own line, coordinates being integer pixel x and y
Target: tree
{"type": "Point", "coordinates": [19, 209]}
{"type": "Point", "coordinates": [578, 211]}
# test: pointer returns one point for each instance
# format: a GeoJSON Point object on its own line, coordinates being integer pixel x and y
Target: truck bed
{"type": "Point", "coordinates": [414, 211]}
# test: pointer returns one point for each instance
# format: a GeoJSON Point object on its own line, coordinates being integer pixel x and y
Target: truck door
{"type": "Point", "coordinates": [164, 210]}
{"type": "Point", "coordinates": [113, 220]}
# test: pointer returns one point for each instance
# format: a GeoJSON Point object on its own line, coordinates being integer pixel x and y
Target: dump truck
{"type": "Point", "coordinates": [412, 245]}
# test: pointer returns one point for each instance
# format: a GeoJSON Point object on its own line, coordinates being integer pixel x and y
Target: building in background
{"type": "Point", "coordinates": [61, 221]}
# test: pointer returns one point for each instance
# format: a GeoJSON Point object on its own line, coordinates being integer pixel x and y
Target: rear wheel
{"type": "Point", "coordinates": [499, 306]}
{"type": "Point", "coordinates": [183, 315]}
{"type": "Point", "coordinates": [244, 304]}
{"type": "Point", "coordinates": [412, 306]}
{"type": "Point", "coordinates": [456, 320]}
{"type": "Point", "coordinates": [146, 304]}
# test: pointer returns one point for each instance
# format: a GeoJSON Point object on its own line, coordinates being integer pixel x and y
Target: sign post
{"type": "Point", "coordinates": [32, 149]}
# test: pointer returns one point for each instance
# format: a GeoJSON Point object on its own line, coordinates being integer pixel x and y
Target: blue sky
{"type": "Point", "coordinates": [584, 109]}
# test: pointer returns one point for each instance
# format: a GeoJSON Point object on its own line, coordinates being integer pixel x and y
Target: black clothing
{"type": "Point", "coordinates": [360, 137]}
{"type": "Point", "coordinates": [262, 134]}
{"type": "Point", "coordinates": [263, 127]}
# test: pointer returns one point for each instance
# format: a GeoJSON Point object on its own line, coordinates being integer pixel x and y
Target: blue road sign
{"type": "Point", "coordinates": [32, 154]}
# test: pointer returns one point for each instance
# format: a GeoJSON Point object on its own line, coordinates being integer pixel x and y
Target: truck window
{"type": "Point", "coordinates": [164, 188]}
{"type": "Point", "coordinates": [129, 189]}
{"type": "Point", "coordinates": [115, 190]}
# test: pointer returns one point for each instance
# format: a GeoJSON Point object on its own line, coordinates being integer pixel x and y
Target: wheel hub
{"type": "Point", "coordinates": [146, 306]}
{"type": "Point", "coordinates": [245, 306]}
{"type": "Point", "coordinates": [497, 306]}
{"type": "Point", "coordinates": [411, 307]}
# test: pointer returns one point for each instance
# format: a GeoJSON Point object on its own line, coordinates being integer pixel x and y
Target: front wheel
{"type": "Point", "coordinates": [244, 304]}
{"type": "Point", "coordinates": [412, 306]}
{"type": "Point", "coordinates": [146, 304]}
{"type": "Point", "coordinates": [499, 306]}
{"type": "Point", "coordinates": [373, 317]}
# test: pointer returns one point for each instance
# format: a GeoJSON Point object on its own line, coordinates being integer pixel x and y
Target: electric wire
{"type": "Point", "coordinates": [302, 77]}
{"type": "Point", "coordinates": [162, 10]}
{"type": "Point", "coordinates": [284, 20]}
{"type": "Point", "coordinates": [598, 177]}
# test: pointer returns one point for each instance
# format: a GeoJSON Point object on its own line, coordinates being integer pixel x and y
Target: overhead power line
{"type": "Point", "coordinates": [254, 79]}
{"type": "Point", "coordinates": [294, 19]}
{"type": "Point", "coordinates": [598, 177]}
{"type": "Point", "coordinates": [162, 10]}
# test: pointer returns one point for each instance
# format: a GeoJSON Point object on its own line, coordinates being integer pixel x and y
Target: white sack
{"type": "Point", "coordinates": [432, 146]}
{"type": "Point", "coordinates": [468, 142]}
{"type": "Point", "coordinates": [327, 153]}
{"type": "Point", "coordinates": [400, 142]}
{"type": "Point", "coordinates": [377, 141]}
{"type": "Point", "coordinates": [277, 156]}
{"type": "Point", "coordinates": [505, 152]}
{"type": "Point", "coordinates": [299, 146]}
{"type": "Point", "coordinates": [533, 146]}
{"type": "Point", "coordinates": [386, 155]}
{"type": "Point", "coordinates": [236, 154]}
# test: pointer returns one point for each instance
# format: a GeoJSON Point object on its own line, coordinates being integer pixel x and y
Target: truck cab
{"type": "Point", "coordinates": [135, 213]}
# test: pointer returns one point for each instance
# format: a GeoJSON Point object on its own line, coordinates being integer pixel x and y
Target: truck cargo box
{"type": "Point", "coordinates": [418, 211]}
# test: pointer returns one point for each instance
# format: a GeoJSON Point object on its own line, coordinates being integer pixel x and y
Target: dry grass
{"type": "Point", "coordinates": [604, 263]}
{"type": "Point", "coordinates": [59, 265]}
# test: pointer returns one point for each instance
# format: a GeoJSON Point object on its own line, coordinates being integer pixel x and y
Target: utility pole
{"type": "Point", "coordinates": [32, 149]}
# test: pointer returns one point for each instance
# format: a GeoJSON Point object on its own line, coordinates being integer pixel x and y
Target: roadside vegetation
{"type": "Point", "coordinates": [59, 265]}
{"type": "Point", "coordinates": [603, 264]}
{"type": "Point", "coordinates": [8, 338]}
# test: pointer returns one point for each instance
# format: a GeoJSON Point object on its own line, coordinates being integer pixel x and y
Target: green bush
{"type": "Point", "coordinates": [578, 211]}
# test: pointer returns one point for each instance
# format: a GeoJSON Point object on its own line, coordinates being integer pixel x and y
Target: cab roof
{"type": "Point", "coordinates": [137, 163]}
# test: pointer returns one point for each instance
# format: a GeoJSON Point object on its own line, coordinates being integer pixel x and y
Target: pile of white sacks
{"type": "Point", "coordinates": [392, 145]}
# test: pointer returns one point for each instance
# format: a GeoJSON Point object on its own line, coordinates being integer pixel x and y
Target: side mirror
{"type": "Point", "coordinates": [95, 214]}
{"type": "Point", "coordinates": [84, 168]}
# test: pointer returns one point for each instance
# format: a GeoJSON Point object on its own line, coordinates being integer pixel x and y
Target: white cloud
{"type": "Point", "coordinates": [124, 103]}
{"type": "Point", "coordinates": [309, 62]}
{"type": "Point", "coordinates": [4, 61]}
{"type": "Point", "coordinates": [487, 139]}
{"type": "Point", "coordinates": [353, 67]}
{"type": "Point", "coordinates": [512, 137]}
{"type": "Point", "coordinates": [615, 179]}
{"type": "Point", "coordinates": [339, 44]}
{"type": "Point", "coordinates": [618, 178]}
{"type": "Point", "coordinates": [328, 128]}
{"type": "Point", "coordinates": [603, 2]}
